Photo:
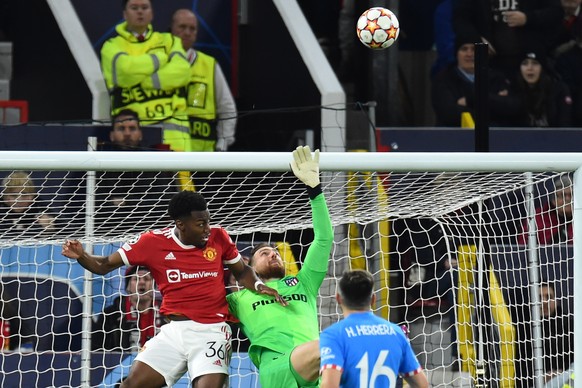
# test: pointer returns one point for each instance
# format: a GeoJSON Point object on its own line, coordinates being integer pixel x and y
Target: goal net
{"type": "Point", "coordinates": [471, 253]}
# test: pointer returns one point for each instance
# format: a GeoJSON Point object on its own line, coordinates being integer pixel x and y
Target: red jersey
{"type": "Point", "coordinates": [190, 279]}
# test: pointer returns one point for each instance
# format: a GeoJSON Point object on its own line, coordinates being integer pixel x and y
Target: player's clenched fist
{"type": "Point", "coordinates": [72, 249]}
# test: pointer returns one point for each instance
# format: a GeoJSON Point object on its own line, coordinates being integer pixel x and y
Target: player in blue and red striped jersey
{"type": "Point", "coordinates": [363, 350]}
{"type": "Point", "coordinates": [187, 262]}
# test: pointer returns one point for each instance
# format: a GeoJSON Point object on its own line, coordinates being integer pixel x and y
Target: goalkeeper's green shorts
{"type": "Point", "coordinates": [277, 372]}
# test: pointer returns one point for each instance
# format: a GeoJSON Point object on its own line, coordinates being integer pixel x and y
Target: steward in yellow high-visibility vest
{"type": "Point", "coordinates": [210, 105]}
{"type": "Point", "coordinates": [146, 71]}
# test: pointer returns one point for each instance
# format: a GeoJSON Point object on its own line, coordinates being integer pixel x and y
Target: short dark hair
{"type": "Point", "coordinates": [356, 288]}
{"type": "Point", "coordinates": [130, 271]}
{"type": "Point", "coordinates": [562, 181]}
{"type": "Point", "coordinates": [184, 203]}
{"type": "Point", "coordinates": [256, 248]}
{"type": "Point", "coordinates": [560, 184]}
{"type": "Point", "coordinates": [124, 4]}
{"type": "Point", "coordinates": [124, 112]}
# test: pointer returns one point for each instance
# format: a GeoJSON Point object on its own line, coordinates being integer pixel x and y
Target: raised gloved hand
{"type": "Point", "coordinates": [306, 167]}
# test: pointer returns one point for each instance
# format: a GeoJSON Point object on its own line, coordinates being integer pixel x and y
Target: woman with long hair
{"type": "Point", "coordinates": [544, 100]}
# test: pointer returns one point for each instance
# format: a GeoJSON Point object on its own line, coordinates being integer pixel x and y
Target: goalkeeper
{"type": "Point", "coordinates": [284, 339]}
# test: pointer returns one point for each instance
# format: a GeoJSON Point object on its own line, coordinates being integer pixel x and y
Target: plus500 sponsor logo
{"type": "Point", "coordinates": [288, 298]}
{"type": "Point", "coordinates": [174, 275]}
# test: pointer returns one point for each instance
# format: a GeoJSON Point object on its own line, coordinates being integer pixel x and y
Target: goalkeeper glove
{"type": "Point", "coordinates": [305, 167]}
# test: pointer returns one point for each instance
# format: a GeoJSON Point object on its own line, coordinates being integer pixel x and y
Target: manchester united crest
{"type": "Point", "coordinates": [210, 254]}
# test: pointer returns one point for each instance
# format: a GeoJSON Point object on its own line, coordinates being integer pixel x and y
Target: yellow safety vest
{"type": "Point", "coordinates": [201, 103]}
{"type": "Point", "coordinates": [149, 77]}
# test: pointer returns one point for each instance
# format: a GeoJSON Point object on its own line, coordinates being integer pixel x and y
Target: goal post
{"type": "Point", "coordinates": [443, 234]}
{"type": "Point", "coordinates": [279, 161]}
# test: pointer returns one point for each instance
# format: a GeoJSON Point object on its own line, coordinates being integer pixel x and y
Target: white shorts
{"type": "Point", "coordinates": [182, 346]}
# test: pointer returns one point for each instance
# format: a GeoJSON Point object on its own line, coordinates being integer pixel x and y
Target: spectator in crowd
{"type": "Point", "coordinates": [508, 26]}
{"type": "Point", "coordinates": [571, 11]}
{"type": "Point", "coordinates": [22, 212]}
{"type": "Point", "coordinates": [210, 104]}
{"type": "Point", "coordinates": [124, 197]}
{"type": "Point", "coordinates": [425, 259]}
{"type": "Point", "coordinates": [187, 262]}
{"type": "Point", "coordinates": [453, 90]}
{"type": "Point", "coordinates": [557, 333]}
{"type": "Point", "coordinates": [344, 351]}
{"type": "Point", "coordinates": [568, 65]}
{"type": "Point", "coordinates": [429, 269]}
{"type": "Point", "coordinates": [126, 133]}
{"type": "Point", "coordinates": [543, 99]}
{"type": "Point", "coordinates": [554, 219]}
{"type": "Point", "coordinates": [131, 319]}
{"type": "Point", "coordinates": [555, 338]}
{"type": "Point", "coordinates": [284, 339]}
{"type": "Point", "coordinates": [565, 35]}
{"type": "Point", "coordinates": [145, 70]}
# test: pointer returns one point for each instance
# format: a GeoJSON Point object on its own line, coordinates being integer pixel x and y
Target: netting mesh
{"type": "Point", "coordinates": [449, 252]}
{"type": "Point", "coordinates": [125, 203]}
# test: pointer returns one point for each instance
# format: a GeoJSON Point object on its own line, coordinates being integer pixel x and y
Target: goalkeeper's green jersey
{"type": "Point", "coordinates": [269, 325]}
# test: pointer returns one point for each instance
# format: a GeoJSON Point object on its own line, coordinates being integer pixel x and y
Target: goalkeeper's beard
{"type": "Point", "coordinates": [272, 273]}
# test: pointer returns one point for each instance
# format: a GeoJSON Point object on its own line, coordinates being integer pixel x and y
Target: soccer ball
{"type": "Point", "coordinates": [378, 28]}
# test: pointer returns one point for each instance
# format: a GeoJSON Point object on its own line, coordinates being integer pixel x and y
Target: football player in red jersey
{"type": "Point", "coordinates": [187, 262]}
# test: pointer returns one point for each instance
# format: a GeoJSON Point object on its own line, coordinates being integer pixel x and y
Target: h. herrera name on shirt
{"type": "Point", "coordinates": [360, 330]}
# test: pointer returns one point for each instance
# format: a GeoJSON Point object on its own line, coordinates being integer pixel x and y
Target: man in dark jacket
{"type": "Point", "coordinates": [453, 89]}
{"type": "Point", "coordinates": [508, 26]}
{"type": "Point", "coordinates": [131, 319]}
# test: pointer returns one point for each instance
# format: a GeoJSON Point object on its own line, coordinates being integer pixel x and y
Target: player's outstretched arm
{"type": "Point", "coordinates": [100, 265]}
{"type": "Point", "coordinates": [305, 166]}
